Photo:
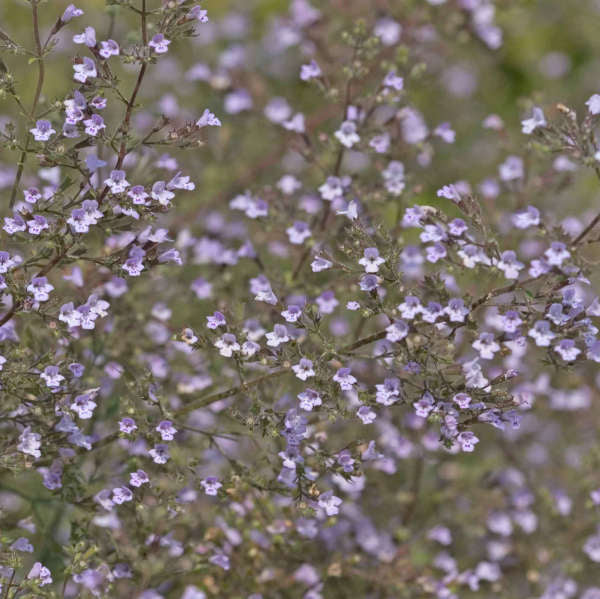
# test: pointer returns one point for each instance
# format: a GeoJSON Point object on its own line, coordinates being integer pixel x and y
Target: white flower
{"type": "Point", "coordinates": [347, 134]}
{"type": "Point", "coordinates": [537, 120]}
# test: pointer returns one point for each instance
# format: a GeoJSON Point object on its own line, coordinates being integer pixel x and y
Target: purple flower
{"type": "Point", "coordinates": [70, 13]}
{"type": "Point", "coordinates": [197, 12]}
{"type": "Point", "coordinates": [159, 453]}
{"type": "Point", "coordinates": [329, 503]}
{"type": "Point", "coordinates": [211, 485]}
{"type": "Point", "coordinates": [347, 134]}
{"type": "Point", "coordinates": [37, 224]}
{"type": "Point", "coordinates": [30, 443]}
{"type": "Point", "coordinates": [278, 336]}
{"type": "Point", "coordinates": [467, 441]}
{"type": "Point", "coordinates": [310, 71]}
{"type": "Point", "coordinates": [528, 217]}
{"type": "Point", "coordinates": [32, 195]}
{"type": "Point", "coordinates": [237, 101]}
{"type": "Point", "coordinates": [94, 125]}
{"type": "Point", "coordinates": [567, 350]}
{"type": "Point", "coordinates": [345, 460]}
{"type": "Point", "coordinates": [41, 573]}
{"type": "Point", "coordinates": [593, 104]}
{"type": "Point", "coordinates": [456, 310]}
{"type": "Point", "coordinates": [397, 331]}
{"type": "Point", "coordinates": [509, 264]}
{"type": "Point", "coordinates": [52, 477]}
{"type": "Point", "coordinates": [227, 345]}
{"type": "Point", "coordinates": [84, 70]}
{"type": "Point", "coordinates": [127, 425]}
{"type": "Point", "coordinates": [117, 182]}
{"type": "Point", "coordinates": [343, 377]}
{"type": "Point", "coordinates": [84, 406]}
{"type": "Point", "coordinates": [109, 48]}
{"type": "Point", "coordinates": [121, 495]}
{"type": "Point", "coordinates": [40, 289]}
{"type": "Point", "coordinates": [369, 283]}
{"type": "Point", "coordinates": [462, 400]}
{"type": "Point", "coordinates": [77, 369]}
{"type": "Point", "coordinates": [166, 430]}
{"type": "Point", "coordinates": [304, 369]}
{"type": "Point", "coordinates": [445, 132]}
{"type": "Point", "coordinates": [388, 393]}
{"type": "Point", "coordinates": [22, 544]}
{"type": "Point", "coordinates": [371, 260]}
{"type": "Point", "coordinates": [431, 312]}
{"type": "Point", "coordinates": [393, 81]}
{"type": "Point", "coordinates": [138, 478]}
{"type": "Point", "coordinates": [292, 313]}
{"type": "Point", "coordinates": [393, 177]}
{"type": "Point", "coordinates": [512, 169]}
{"type": "Point", "coordinates": [486, 346]}
{"type": "Point", "coordinates": [424, 406]}
{"type": "Point", "coordinates": [216, 320]}
{"type": "Point", "coordinates": [380, 143]}
{"type": "Point", "coordinates": [42, 131]}
{"type": "Point", "coordinates": [537, 120]}
{"type": "Point", "coordinates": [557, 253]}
{"type": "Point", "coordinates": [298, 232]}
{"type": "Point", "coordinates": [319, 264]}
{"type": "Point", "coordinates": [366, 414]}
{"type": "Point", "coordinates": [208, 119]}
{"type": "Point", "coordinates": [221, 560]}
{"type": "Point", "coordinates": [309, 399]}
{"type": "Point", "coordinates": [159, 43]}
{"type": "Point", "coordinates": [88, 37]}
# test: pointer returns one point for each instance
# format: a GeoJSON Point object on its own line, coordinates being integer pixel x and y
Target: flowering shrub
{"type": "Point", "coordinates": [253, 347]}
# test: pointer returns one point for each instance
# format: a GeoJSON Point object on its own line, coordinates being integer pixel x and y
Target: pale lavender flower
{"type": "Point", "coordinates": [138, 478]}
{"type": "Point", "coordinates": [309, 399]}
{"type": "Point", "coordinates": [159, 453]}
{"type": "Point", "coordinates": [127, 425]}
{"type": "Point", "coordinates": [319, 264]}
{"type": "Point", "coordinates": [211, 485]}
{"type": "Point", "coordinates": [70, 13]}
{"type": "Point", "coordinates": [298, 232]}
{"type": "Point", "coordinates": [109, 48]}
{"type": "Point", "coordinates": [304, 369]}
{"type": "Point", "coordinates": [278, 336]}
{"type": "Point", "coordinates": [347, 134]}
{"type": "Point", "coordinates": [537, 120]}
{"type": "Point", "coordinates": [159, 43]}
{"type": "Point", "coordinates": [208, 119]}
{"type": "Point", "coordinates": [84, 70]}
{"type": "Point", "coordinates": [227, 345]}
{"type": "Point", "coordinates": [30, 443]}
{"type": "Point", "coordinates": [371, 260]}
{"type": "Point", "coordinates": [40, 289]}
{"type": "Point", "coordinates": [567, 350]}
{"type": "Point", "coordinates": [166, 430]}
{"type": "Point", "coordinates": [88, 37]}
{"type": "Point", "coordinates": [343, 377]}
{"type": "Point", "coordinates": [121, 495]}
{"type": "Point", "coordinates": [310, 71]}
{"type": "Point", "coordinates": [41, 573]}
{"type": "Point", "coordinates": [84, 406]}
{"type": "Point", "coordinates": [42, 131]}
{"type": "Point", "coordinates": [329, 503]}
{"type": "Point", "coordinates": [396, 331]}
{"type": "Point", "coordinates": [366, 414]}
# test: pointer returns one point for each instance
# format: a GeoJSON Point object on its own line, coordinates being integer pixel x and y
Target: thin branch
{"type": "Point", "coordinates": [36, 98]}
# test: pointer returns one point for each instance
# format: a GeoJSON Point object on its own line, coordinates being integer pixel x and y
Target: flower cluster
{"type": "Point", "coordinates": [280, 341]}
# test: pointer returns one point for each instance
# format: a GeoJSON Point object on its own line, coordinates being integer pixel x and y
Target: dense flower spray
{"type": "Point", "coordinates": [278, 389]}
